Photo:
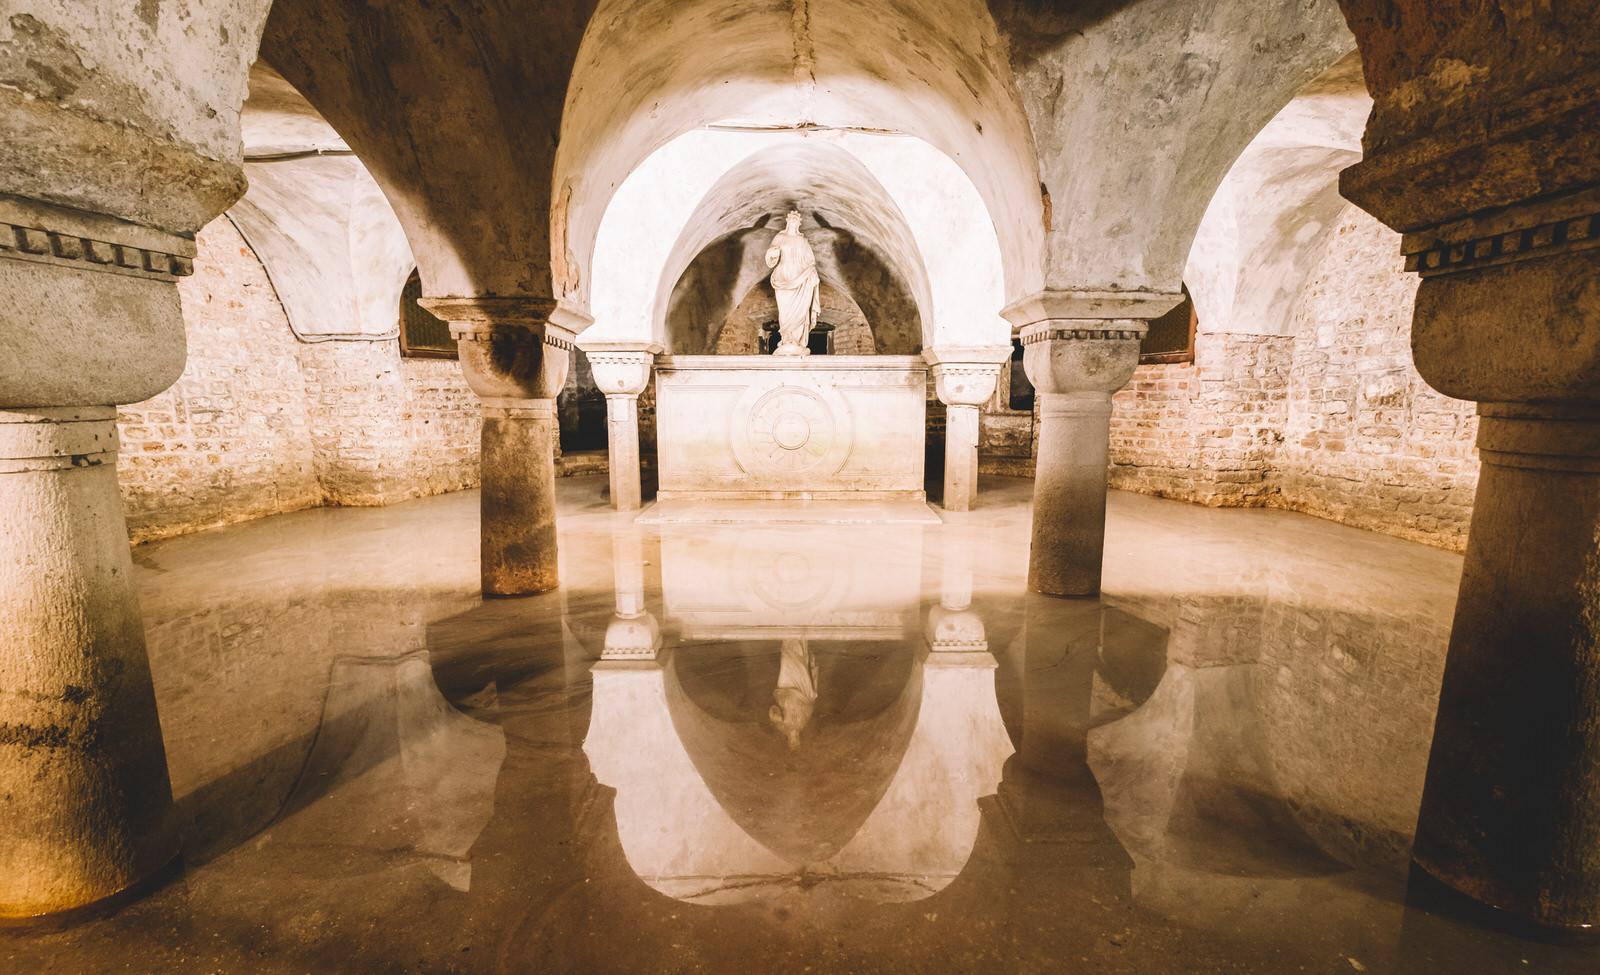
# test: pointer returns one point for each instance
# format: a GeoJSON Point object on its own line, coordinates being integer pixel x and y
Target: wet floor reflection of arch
{"type": "Point", "coordinates": [1214, 767]}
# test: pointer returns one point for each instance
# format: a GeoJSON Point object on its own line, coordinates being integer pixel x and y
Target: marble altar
{"type": "Point", "coordinates": [790, 428]}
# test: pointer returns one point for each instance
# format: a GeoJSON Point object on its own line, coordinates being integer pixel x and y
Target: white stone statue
{"type": "Point", "coordinates": [795, 282]}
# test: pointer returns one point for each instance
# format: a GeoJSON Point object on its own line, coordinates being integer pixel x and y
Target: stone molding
{"type": "Point", "coordinates": [1561, 225]}
{"type": "Point", "coordinates": [53, 247]}
{"type": "Point", "coordinates": [1051, 306]}
{"type": "Point", "coordinates": [517, 320]}
{"type": "Point", "coordinates": [1052, 332]}
{"type": "Point", "coordinates": [57, 439]}
{"type": "Point", "coordinates": [1544, 436]}
{"type": "Point", "coordinates": [45, 233]}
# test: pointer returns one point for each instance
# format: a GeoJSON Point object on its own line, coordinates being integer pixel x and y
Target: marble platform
{"type": "Point", "coordinates": [791, 428]}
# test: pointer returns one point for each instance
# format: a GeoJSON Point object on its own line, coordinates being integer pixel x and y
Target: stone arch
{"type": "Point", "coordinates": [899, 200]}
{"type": "Point", "coordinates": [837, 197]}
{"type": "Point", "coordinates": [935, 71]}
{"type": "Point", "coordinates": [1268, 224]}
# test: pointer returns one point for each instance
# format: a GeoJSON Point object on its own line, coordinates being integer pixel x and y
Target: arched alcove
{"type": "Point", "coordinates": [860, 292]}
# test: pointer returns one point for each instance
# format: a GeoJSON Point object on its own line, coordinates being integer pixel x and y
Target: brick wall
{"type": "Point", "coordinates": [231, 439]}
{"type": "Point", "coordinates": [1368, 443]}
{"type": "Point", "coordinates": [262, 423]}
{"type": "Point", "coordinates": [1333, 420]}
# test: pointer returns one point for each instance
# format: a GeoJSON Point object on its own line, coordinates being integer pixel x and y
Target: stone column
{"type": "Point", "coordinates": [965, 380]}
{"type": "Point", "coordinates": [89, 317]}
{"type": "Point", "coordinates": [1508, 314]}
{"type": "Point", "coordinates": [622, 371]}
{"type": "Point", "coordinates": [515, 358]}
{"type": "Point", "coordinates": [1078, 349]}
{"type": "Point", "coordinates": [1496, 185]}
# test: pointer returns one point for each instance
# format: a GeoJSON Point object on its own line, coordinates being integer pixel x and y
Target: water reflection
{"type": "Point", "coordinates": [794, 734]}
{"type": "Point", "coordinates": [1215, 768]}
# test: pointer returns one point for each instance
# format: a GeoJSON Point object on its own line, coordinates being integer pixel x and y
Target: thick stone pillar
{"type": "Point", "coordinates": [622, 371]}
{"type": "Point", "coordinates": [1495, 183]}
{"type": "Point", "coordinates": [964, 379]}
{"type": "Point", "coordinates": [1078, 349]}
{"type": "Point", "coordinates": [89, 317]}
{"type": "Point", "coordinates": [1508, 314]}
{"type": "Point", "coordinates": [515, 358]}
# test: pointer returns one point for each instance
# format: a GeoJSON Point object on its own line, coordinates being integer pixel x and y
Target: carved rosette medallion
{"type": "Point", "coordinates": [790, 430]}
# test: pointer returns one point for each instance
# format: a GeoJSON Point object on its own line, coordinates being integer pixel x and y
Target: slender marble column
{"type": "Point", "coordinates": [515, 358]}
{"type": "Point", "coordinates": [622, 371]}
{"type": "Point", "coordinates": [964, 379]}
{"type": "Point", "coordinates": [85, 804]}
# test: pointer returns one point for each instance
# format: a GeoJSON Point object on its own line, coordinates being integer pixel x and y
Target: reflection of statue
{"type": "Point", "coordinates": [795, 282]}
{"type": "Point", "coordinates": [796, 692]}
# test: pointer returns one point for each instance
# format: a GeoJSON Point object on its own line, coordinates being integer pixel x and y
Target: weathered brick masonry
{"type": "Point", "coordinates": [1333, 420]}
{"type": "Point", "coordinates": [262, 423]}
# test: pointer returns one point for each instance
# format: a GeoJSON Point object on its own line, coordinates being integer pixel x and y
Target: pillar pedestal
{"type": "Point", "coordinates": [1079, 347]}
{"type": "Point", "coordinates": [964, 379]}
{"type": "Point", "coordinates": [515, 357]}
{"type": "Point", "coordinates": [85, 804]}
{"type": "Point", "coordinates": [622, 371]}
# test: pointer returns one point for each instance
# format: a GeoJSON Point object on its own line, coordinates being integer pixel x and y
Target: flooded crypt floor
{"type": "Point", "coordinates": [793, 747]}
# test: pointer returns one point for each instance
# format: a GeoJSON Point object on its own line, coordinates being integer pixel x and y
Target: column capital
{"type": "Point", "coordinates": [1083, 355]}
{"type": "Point", "coordinates": [1088, 305]}
{"type": "Point", "coordinates": [512, 348]}
{"type": "Point", "coordinates": [110, 329]}
{"type": "Point", "coordinates": [621, 368]}
{"type": "Point", "coordinates": [965, 375]}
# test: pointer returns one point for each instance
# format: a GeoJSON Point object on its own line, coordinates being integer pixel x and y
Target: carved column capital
{"type": "Point", "coordinates": [89, 306]}
{"type": "Point", "coordinates": [1081, 356]}
{"type": "Point", "coordinates": [966, 375]}
{"type": "Point", "coordinates": [621, 368]}
{"type": "Point", "coordinates": [511, 348]}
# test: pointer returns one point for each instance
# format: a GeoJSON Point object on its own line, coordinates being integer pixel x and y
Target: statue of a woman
{"type": "Point", "coordinates": [794, 280]}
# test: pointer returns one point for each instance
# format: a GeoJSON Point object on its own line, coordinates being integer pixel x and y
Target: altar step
{"type": "Point", "coordinates": [737, 512]}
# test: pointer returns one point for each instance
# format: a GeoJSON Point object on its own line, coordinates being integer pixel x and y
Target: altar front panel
{"type": "Point", "coordinates": [791, 427]}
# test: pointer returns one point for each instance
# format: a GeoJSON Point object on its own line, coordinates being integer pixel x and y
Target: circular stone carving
{"type": "Point", "coordinates": [791, 430]}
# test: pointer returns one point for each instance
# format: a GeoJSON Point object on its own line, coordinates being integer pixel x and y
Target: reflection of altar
{"type": "Point", "coordinates": [829, 582]}
{"type": "Point", "coordinates": [817, 427]}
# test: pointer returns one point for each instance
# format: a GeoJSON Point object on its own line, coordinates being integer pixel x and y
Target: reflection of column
{"type": "Point", "coordinates": [953, 627]}
{"type": "Point", "coordinates": [965, 379]}
{"type": "Point", "coordinates": [1079, 349]}
{"type": "Point", "coordinates": [622, 371]}
{"type": "Point", "coordinates": [515, 359]}
{"type": "Point", "coordinates": [633, 632]}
